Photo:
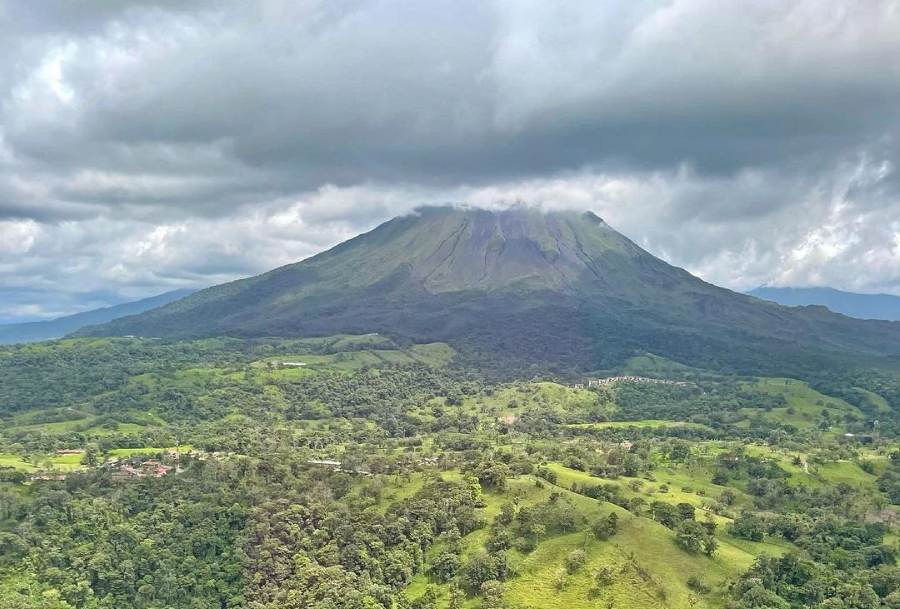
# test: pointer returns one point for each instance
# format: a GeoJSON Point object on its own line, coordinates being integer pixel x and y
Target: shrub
{"type": "Point", "coordinates": [697, 584]}
{"type": "Point", "coordinates": [575, 560]}
{"type": "Point", "coordinates": [603, 576]}
{"type": "Point", "coordinates": [547, 474]}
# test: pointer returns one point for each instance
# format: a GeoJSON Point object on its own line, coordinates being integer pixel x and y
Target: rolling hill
{"type": "Point", "coordinates": [56, 328]}
{"type": "Point", "coordinates": [861, 306]}
{"type": "Point", "coordinates": [523, 288]}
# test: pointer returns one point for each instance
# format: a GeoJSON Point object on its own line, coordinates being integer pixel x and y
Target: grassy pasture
{"type": "Point", "coordinates": [512, 400]}
{"type": "Point", "coordinates": [16, 462]}
{"type": "Point", "coordinates": [640, 423]}
{"type": "Point", "coordinates": [147, 450]}
{"type": "Point", "coordinates": [650, 569]}
{"type": "Point", "coordinates": [432, 354]}
{"type": "Point", "coordinates": [63, 463]}
{"type": "Point", "coordinates": [804, 405]}
{"type": "Point", "coordinates": [656, 367]}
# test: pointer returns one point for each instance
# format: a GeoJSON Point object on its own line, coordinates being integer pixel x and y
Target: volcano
{"type": "Point", "coordinates": [520, 287]}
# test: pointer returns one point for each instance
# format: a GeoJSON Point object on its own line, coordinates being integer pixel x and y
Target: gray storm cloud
{"type": "Point", "coordinates": [148, 145]}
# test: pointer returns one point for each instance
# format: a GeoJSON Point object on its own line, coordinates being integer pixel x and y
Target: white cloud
{"type": "Point", "coordinates": [18, 236]}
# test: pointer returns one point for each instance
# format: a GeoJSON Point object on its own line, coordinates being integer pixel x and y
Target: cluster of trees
{"type": "Point", "coordinates": [239, 533]}
{"type": "Point", "coordinates": [690, 535]}
{"type": "Point", "coordinates": [302, 551]}
{"type": "Point", "coordinates": [522, 528]}
{"type": "Point", "coordinates": [384, 396]}
{"type": "Point", "coordinates": [792, 582]}
{"type": "Point", "coordinates": [845, 562]}
{"type": "Point", "coordinates": [889, 480]}
{"type": "Point", "coordinates": [63, 372]}
{"type": "Point", "coordinates": [736, 465]}
{"type": "Point", "coordinates": [171, 542]}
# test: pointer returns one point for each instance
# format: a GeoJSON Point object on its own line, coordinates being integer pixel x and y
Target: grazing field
{"type": "Point", "coordinates": [648, 565]}
{"type": "Point", "coordinates": [641, 423]}
{"type": "Point", "coordinates": [148, 450]}
{"type": "Point", "coordinates": [804, 407]}
{"type": "Point", "coordinates": [288, 366]}
{"type": "Point", "coordinates": [16, 462]}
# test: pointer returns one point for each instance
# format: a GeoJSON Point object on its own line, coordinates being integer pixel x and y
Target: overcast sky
{"type": "Point", "coordinates": [151, 145]}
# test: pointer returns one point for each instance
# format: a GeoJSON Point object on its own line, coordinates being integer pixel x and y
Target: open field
{"type": "Point", "coordinates": [650, 567]}
{"type": "Point", "coordinates": [641, 423]}
{"type": "Point", "coordinates": [288, 366]}
{"type": "Point", "coordinates": [148, 450]}
{"type": "Point", "coordinates": [804, 406]}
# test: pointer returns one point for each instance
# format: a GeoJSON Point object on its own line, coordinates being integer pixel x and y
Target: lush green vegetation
{"type": "Point", "coordinates": [356, 472]}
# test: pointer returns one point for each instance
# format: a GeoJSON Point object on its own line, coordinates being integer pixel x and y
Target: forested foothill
{"type": "Point", "coordinates": [360, 472]}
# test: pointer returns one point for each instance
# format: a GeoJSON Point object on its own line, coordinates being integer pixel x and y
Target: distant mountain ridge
{"type": "Point", "coordinates": [861, 306]}
{"type": "Point", "coordinates": [55, 328]}
{"type": "Point", "coordinates": [545, 291]}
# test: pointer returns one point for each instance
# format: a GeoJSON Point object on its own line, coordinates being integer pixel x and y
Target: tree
{"type": "Point", "coordinates": [665, 513]}
{"type": "Point", "coordinates": [748, 526]}
{"type": "Point", "coordinates": [499, 539]}
{"type": "Point", "coordinates": [492, 474]}
{"type": "Point", "coordinates": [428, 600]}
{"type": "Point", "coordinates": [885, 580]}
{"type": "Point", "coordinates": [758, 597]}
{"type": "Point", "coordinates": [12, 548]}
{"type": "Point", "coordinates": [685, 511]}
{"type": "Point", "coordinates": [547, 474]}
{"type": "Point", "coordinates": [507, 514]}
{"type": "Point", "coordinates": [679, 450]}
{"type": "Point", "coordinates": [457, 598]}
{"type": "Point", "coordinates": [693, 537]}
{"type": "Point", "coordinates": [560, 580]}
{"type": "Point", "coordinates": [91, 454]}
{"type": "Point", "coordinates": [606, 527]}
{"type": "Point", "coordinates": [603, 576]}
{"type": "Point", "coordinates": [727, 497]}
{"type": "Point", "coordinates": [484, 567]}
{"type": "Point", "coordinates": [445, 567]}
{"type": "Point", "coordinates": [710, 545]}
{"type": "Point", "coordinates": [636, 505]}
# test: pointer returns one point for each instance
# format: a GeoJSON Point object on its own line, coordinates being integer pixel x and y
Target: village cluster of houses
{"type": "Point", "coordinates": [128, 469]}
{"type": "Point", "coordinates": [334, 465]}
{"type": "Point", "coordinates": [124, 468]}
{"type": "Point", "coordinates": [627, 379]}
{"type": "Point", "coordinates": [47, 477]}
